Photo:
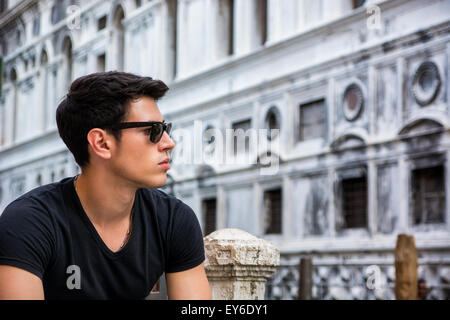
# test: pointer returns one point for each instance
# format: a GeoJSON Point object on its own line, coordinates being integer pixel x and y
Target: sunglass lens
{"type": "Point", "coordinates": [156, 133]}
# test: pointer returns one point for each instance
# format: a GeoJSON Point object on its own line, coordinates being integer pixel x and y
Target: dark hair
{"type": "Point", "coordinates": [99, 100]}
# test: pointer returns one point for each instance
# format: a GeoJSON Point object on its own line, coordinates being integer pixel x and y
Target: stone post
{"type": "Point", "coordinates": [405, 268]}
{"type": "Point", "coordinates": [238, 264]}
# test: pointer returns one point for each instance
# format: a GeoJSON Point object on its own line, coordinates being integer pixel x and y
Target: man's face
{"type": "Point", "coordinates": [136, 158]}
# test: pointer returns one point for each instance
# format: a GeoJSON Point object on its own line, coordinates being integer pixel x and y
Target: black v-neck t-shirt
{"type": "Point", "coordinates": [47, 232]}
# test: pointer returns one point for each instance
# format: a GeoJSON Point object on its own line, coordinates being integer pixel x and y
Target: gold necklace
{"type": "Point", "coordinates": [127, 237]}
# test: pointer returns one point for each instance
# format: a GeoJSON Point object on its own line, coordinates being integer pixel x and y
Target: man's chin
{"type": "Point", "coordinates": [154, 183]}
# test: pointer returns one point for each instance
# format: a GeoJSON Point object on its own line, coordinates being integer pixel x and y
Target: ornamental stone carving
{"type": "Point", "coordinates": [353, 102]}
{"type": "Point", "coordinates": [238, 264]}
{"type": "Point", "coordinates": [426, 83]}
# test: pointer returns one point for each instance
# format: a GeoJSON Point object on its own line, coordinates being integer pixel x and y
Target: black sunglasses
{"type": "Point", "coordinates": [156, 128]}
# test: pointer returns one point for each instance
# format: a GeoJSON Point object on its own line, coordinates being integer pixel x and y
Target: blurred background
{"type": "Point", "coordinates": [359, 91]}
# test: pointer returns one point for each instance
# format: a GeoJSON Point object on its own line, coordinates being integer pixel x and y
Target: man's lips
{"type": "Point", "coordinates": [165, 161]}
{"type": "Point", "coordinates": [165, 164]}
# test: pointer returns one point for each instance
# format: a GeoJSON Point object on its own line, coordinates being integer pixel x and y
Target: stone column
{"type": "Point", "coordinates": [238, 264]}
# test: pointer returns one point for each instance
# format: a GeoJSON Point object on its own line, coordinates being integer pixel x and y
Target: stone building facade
{"type": "Point", "coordinates": [358, 90]}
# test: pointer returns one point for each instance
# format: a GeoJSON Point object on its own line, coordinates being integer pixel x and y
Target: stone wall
{"type": "Point", "coordinates": [357, 276]}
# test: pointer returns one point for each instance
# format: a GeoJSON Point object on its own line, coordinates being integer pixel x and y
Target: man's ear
{"type": "Point", "coordinates": [100, 143]}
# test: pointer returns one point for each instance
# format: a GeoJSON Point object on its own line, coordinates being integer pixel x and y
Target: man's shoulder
{"type": "Point", "coordinates": [39, 199]}
{"type": "Point", "coordinates": [159, 196]}
{"type": "Point", "coordinates": [164, 202]}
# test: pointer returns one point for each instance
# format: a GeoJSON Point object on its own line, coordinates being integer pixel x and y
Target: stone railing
{"type": "Point", "coordinates": [238, 264]}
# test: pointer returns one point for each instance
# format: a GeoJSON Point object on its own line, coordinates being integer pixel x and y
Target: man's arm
{"type": "Point", "coordinates": [19, 284]}
{"type": "Point", "coordinates": [190, 284]}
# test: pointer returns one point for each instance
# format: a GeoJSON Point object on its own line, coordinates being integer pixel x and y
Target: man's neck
{"type": "Point", "coordinates": [106, 200]}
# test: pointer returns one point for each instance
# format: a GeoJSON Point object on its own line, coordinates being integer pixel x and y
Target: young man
{"type": "Point", "coordinates": [107, 233]}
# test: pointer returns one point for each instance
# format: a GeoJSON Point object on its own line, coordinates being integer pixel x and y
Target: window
{"type": "Point", "coordinates": [354, 202]}
{"type": "Point", "coordinates": [273, 211]}
{"type": "Point", "coordinates": [272, 122]}
{"type": "Point", "coordinates": [68, 62]}
{"type": "Point", "coordinates": [171, 32]}
{"type": "Point", "coordinates": [209, 140]}
{"type": "Point", "coordinates": [2, 116]}
{"type": "Point", "coordinates": [101, 23]}
{"type": "Point", "coordinates": [4, 45]}
{"type": "Point", "coordinates": [17, 187]}
{"type": "Point", "coordinates": [13, 75]}
{"type": "Point", "coordinates": [36, 25]}
{"type": "Point", "coordinates": [231, 27]}
{"type": "Point", "coordinates": [3, 6]}
{"type": "Point", "coordinates": [39, 180]}
{"type": "Point", "coordinates": [58, 11]}
{"type": "Point", "coordinates": [209, 214]}
{"type": "Point", "coordinates": [54, 16]}
{"type": "Point", "coordinates": [2, 80]}
{"type": "Point", "coordinates": [261, 12]}
{"type": "Point", "coordinates": [241, 141]}
{"type": "Point", "coordinates": [18, 38]}
{"type": "Point", "coordinates": [313, 120]}
{"type": "Point", "coordinates": [118, 39]}
{"type": "Point", "coordinates": [224, 21]}
{"type": "Point", "coordinates": [428, 195]}
{"type": "Point", "coordinates": [101, 63]}
{"type": "Point", "coordinates": [13, 79]}
{"type": "Point", "coordinates": [358, 3]}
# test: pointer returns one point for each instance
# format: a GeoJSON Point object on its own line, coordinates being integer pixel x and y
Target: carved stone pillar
{"type": "Point", "coordinates": [238, 264]}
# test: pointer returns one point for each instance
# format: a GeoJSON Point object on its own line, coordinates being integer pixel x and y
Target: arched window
{"type": "Point", "coordinates": [13, 79]}
{"type": "Point", "coordinates": [4, 44]}
{"type": "Point", "coordinates": [2, 108]}
{"type": "Point", "coordinates": [118, 39]}
{"type": "Point", "coordinates": [43, 87]}
{"type": "Point", "coordinates": [273, 122]}
{"type": "Point", "coordinates": [67, 54]}
{"type": "Point", "coordinates": [36, 25]}
{"type": "Point", "coordinates": [208, 139]}
{"type": "Point", "coordinates": [44, 58]}
{"type": "Point", "coordinates": [18, 38]}
{"type": "Point", "coordinates": [172, 26]}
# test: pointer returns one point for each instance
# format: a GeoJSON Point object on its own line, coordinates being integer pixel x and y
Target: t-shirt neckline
{"type": "Point", "coordinates": [93, 231]}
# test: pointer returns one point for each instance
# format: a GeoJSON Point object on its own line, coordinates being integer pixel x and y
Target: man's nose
{"type": "Point", "coordinates": [166, 142]}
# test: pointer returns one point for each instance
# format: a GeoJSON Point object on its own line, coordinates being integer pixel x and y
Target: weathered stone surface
{"type": "Point", "coordinates": [238, 264]}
